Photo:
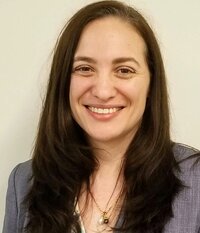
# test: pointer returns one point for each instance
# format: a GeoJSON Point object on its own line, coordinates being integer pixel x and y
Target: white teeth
{"type": "Point", "coordinates": [103, 110]}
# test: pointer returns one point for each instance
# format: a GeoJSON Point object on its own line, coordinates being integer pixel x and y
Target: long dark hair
{"type": "Point", "coordinates": [63, 159]}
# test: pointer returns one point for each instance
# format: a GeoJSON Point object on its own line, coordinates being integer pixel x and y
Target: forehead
{"type": "Point", "coordinates": [112, 28]}
{"type": "Point", "coordinates": [110, 36]}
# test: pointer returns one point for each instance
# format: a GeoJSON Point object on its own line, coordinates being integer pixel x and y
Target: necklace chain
{"type": "Point", "coordinates": [104, 218]}
{"type": "Point", "coordinates": [97, 205]}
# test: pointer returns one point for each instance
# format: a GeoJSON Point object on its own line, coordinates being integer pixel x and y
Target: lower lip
{"type": "Point", "coordinates": [103, 117]}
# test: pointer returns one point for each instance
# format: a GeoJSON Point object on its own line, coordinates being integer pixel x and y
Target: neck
{"type": "Point", "coordinates": [109, 173]}
{"type": "Point", "coordinates": [106, 185]}
{"type": "Point", "coordinates": [110, 153]}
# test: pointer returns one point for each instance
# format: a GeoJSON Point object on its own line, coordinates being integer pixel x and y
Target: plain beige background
{"type": "Point", "coordinates": [28, 32]}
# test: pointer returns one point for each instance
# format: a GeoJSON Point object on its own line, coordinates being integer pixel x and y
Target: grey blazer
{"type": "Point", "coordinates": [186, 206]}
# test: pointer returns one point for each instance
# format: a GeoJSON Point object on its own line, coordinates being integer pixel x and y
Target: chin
{"type": "Point", "coordinates": [106, 139]}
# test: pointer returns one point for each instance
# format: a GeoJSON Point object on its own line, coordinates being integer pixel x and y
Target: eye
{"type": "Point", "coordinates": [125, 72]}
{"type": "Point", "coordinates": [83, 70]}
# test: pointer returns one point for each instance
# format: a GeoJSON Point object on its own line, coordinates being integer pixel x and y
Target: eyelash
{"type": "Point", "coordinates": [129, 72]}
{"type": "Point", "coordinates": [86, 70]}
{"type": "Point", "coordinates": [83, 69]}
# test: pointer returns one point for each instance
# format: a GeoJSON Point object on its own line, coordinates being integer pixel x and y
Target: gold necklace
{"type": "Point", "coordinates": [105, 216]}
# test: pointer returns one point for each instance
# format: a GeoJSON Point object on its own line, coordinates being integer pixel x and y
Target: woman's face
{"type": "Point", "coordinates": [109, 81]}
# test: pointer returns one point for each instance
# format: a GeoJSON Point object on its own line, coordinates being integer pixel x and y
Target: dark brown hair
{"type": "Point", "coordinates": [63, 159]}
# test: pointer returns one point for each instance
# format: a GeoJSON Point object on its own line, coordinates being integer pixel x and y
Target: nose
{"type": "Point", "coordinates": [104, 87]}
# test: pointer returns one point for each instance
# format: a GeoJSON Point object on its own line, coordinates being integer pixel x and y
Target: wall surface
{"type": "Point", "coordinates": [28, 33]}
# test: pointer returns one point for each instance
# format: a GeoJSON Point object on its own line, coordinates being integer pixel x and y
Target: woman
{"type": "Point", "coordinates": [103, 159]}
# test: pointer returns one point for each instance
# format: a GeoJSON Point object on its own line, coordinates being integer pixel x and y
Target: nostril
{"type": "Point", "coordinates": [104, 92]}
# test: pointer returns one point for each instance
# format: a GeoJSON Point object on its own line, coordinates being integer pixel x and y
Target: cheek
{"type": "Point", "coordinates": [79, 86]}
{"type": "Point", "coordinates": [137, 94]}
{"type": "Point", "coordinates": [77, 92]}
{"type": "Point", "coordinates": [73, 99]}
{"type": "Point", "coordinates": [73, 95]}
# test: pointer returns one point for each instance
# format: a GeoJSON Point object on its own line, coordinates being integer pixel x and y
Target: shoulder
{"type": "Point", "coordinates": [22, 170]}
{"type": "Point", "coordinates": [186, 205]}
{"type": "Point", "coordinates": [20, 181]}
{"type": "Point", "coordinates": [20, 178]}
{"type": "Point", "coordinates": [188, 160]}
{"type": "Point", "coordinates": [187, 157]}
{"type": "Point", "coordinates": [18, 186]}
{"type": "Point", "coordinates": [182, 151]}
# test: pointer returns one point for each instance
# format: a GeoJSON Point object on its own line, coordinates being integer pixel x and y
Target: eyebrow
{"type": "Point", "coordinates": [115, 61]}
{"type": "Point", "coordinates": [84, 58]}
{"type": "Point", "coordinates": [125, 59]}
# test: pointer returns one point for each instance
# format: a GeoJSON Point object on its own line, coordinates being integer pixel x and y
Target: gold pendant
{"type": "Point", "coordinates": [103, 219]}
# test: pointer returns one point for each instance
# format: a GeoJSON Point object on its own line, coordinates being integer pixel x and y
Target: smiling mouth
{"type": "Point", "coordinates": [104, 110]}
